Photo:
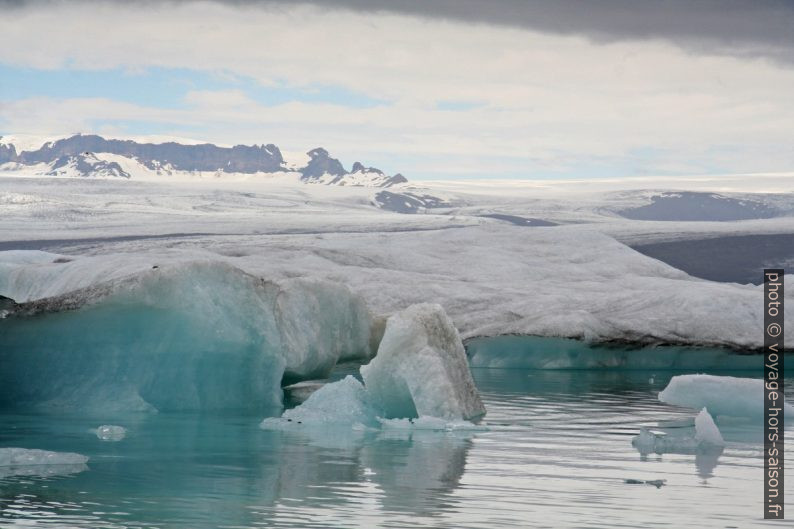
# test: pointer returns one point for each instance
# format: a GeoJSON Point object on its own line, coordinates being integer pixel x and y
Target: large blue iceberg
{"type": "Point", "coordinates": [186, 336]}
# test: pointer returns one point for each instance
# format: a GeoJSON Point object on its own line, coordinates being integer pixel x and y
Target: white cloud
{"type": "Point", "coordinates": [550, 103]}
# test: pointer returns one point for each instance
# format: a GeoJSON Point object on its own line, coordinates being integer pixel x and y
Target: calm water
{"type": "Point", "coordinates": [557, 454]}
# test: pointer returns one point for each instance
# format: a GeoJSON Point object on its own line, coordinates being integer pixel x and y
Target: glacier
{"type": "Point", "coordinates": [580, 280]}
{"type": "Point", "coordinates": [722, 395]}
{"type": "Point", "coordinates": [195, 335]}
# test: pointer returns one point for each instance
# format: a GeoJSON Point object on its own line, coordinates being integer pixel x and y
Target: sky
{"type": "Point", "coordinates": [434, 89]}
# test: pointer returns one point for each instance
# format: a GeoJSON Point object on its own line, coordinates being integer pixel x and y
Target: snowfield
{"type": "Point", "coordinates": [576, 279]}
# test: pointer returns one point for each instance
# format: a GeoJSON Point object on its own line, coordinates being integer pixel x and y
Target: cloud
{"type": "Point", "coordinates": [450, 96]}
{"type": "Point", "coordinates": [743, 27]}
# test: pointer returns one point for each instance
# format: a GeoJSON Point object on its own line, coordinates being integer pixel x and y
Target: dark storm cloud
{"type": "Point", "coordinates": [739, 27]}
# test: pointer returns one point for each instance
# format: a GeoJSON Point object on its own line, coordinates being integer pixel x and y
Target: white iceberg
{"type": "Point", "coordinates": [419, 380]}
{"type": "Point", "coordinates": [32, 462]}
{"type": "Point", "coordinates": [345, 403]}
{"type": "Point", "coordinates": [421, 368]}
{"type": "Point", "coordinates": [320, 323]}
{"type": "Point", "coordinates": [707, 438]}
{"type": "Point", "coordinates": [110, 432]}
{"type": "Point", "coordinates": [722, 395]}
{"type": "Point", "coordinates": [706, 431]}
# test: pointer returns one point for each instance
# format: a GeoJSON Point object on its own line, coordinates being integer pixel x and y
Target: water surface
{"type": "Point", "coordinates": [557, 454]}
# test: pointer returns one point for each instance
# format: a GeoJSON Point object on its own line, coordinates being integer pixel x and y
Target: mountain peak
{"type": "Point", "coordinates": [94, 155]}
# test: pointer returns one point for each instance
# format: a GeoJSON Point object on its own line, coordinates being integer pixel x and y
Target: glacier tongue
{"type": "Point", "coordinates": [421, 368]}
{"type": "Point", "coordinates": [184, 336]}
{"type": "Point", "coordinates": [722, 395]}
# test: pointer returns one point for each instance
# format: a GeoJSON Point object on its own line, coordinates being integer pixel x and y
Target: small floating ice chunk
{"type": "Point", "coordinates": [25, 456]}
{"type": "Point", "coordinates": [654, 442]}
{"type": "Point", "coordinates": [707, 438]}
{"type": "Point", "coordinates": [342, 403]}
{"type": "Point", "coordinates": [722, 395]}
{"type": "Point", "coordinates": [706, 431]}
{"type": "Point", "coordinates": [421, 368]}
{"type": "Point", "coordinates": [32, 462]}
{"type": "Point", "coordinates": [109, 432]}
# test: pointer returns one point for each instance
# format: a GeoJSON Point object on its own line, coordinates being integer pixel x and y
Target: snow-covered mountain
{"type": "Point", "coordinates": [323, 169]}
{"type": "Point", "coordinates": [89, 155]}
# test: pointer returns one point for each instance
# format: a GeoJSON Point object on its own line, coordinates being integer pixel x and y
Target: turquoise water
{"type": "Point", "coordinates": [557, 454]}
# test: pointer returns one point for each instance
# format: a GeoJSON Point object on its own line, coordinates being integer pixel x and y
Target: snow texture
{"type": "Point", "coordinates": [721, 395]}
{"type": "Point", "coordinates": [574, 280]}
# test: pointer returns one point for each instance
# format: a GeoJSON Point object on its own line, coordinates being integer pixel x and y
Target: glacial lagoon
{"type": "Point", "coordinates": [556, 451]}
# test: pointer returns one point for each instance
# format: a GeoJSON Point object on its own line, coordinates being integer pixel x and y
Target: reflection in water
{"type": "Point", "coordinates": [558, 453]}
{"type": "Point", "coordinates": [706, 462]}
{"type": "Point", "coordinates": [417, 471]}
{"type": "Point", "coordinates": [41, 471]}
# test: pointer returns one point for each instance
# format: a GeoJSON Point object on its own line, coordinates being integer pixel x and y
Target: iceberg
{"type": "Point", "coordinates": [418, 380]}
{"type": "Point", "coordinates": [541, 352]}
{"type": "Point", "coordinates": [109, 432]}
{"type": "Point", "coordinates": [706, 431]}
{"type": "Point", "coordinates": [320, 323]}
{"type": "Point", "coordinates": [198, 335]}
{"type": "Point", "coordinates": [32, 462]}
{"type": "Point", "coordinates": [707, 438]}
{"type": "Point", "coordinates": [722, 395]}
{"type": "Point", "coordinates": [421, 368]}
{"type": "Point", "coordinates": [345, 403]}
{"type": "Point", "coordinates": [300, 391]}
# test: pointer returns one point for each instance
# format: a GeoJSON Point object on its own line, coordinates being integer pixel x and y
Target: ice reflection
{"type": "Point", "coordinates": [557, 453]}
